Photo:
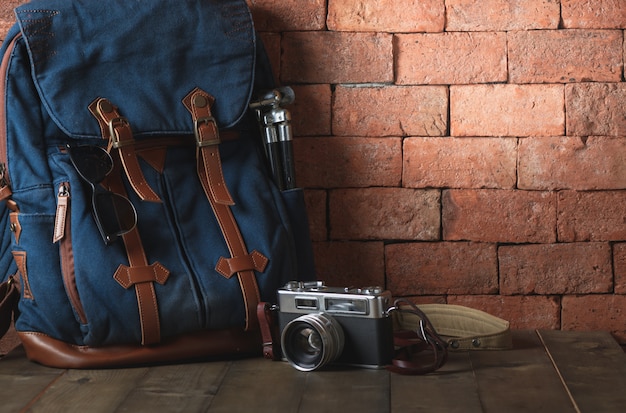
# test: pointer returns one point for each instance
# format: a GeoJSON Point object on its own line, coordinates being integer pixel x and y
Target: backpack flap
{"type": "Point", "coordinates": [139, 55]}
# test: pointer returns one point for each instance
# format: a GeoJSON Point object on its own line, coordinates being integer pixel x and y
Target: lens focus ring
{"type": "Point", "coordinates": [311, 341]}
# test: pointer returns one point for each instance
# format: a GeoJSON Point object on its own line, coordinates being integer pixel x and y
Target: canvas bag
{"type": "Point", "coordinates": [164, 85]}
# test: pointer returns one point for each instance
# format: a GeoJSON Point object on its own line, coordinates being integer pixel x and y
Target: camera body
{"type": "Point", "coordinates": [321, 324]}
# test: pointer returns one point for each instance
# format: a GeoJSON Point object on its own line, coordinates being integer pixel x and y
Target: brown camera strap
{"type": "Point", "coordinates": [270, 335]}
{"type": "Point", "coordinates": [418, 349]}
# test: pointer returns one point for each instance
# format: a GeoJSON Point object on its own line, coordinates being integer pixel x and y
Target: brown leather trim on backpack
{"type": "Point", "coordinates": [135, 274]}
{"type": "Point", "coordinates": [209, 343]}
{"type": "Point", "coordinates": [155, 157]}
{"type": "Point", "coordinates": [139, 273]}
{"type": "Point", "coordinates": [20, 261]}
{"type": "Point", "coordinates": [237, 248]}
{"type": "Point", "coordinates": [229, 266]}
{"type": "Point", "coordinates": [199, 104]}
{"type": "Point", "coordinates": [117, 129]}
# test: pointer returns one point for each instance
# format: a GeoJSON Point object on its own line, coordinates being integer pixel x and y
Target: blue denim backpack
{"type": "Point", "coordinates": [139, 220]}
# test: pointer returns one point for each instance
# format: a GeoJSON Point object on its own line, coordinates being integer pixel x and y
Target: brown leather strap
{"type": "Point", "coordinates": [199, 104]}
{"type": "Point", "coordinates": [205, 343]}
{"type": "Point", "coordinates": [237, 248]}
{"type": "Point", "coordinates": [129, 276]}
{"type": "Point", "coordinates": [415, 356]}
{"type": "Point", "coordinates": [117, 129]}
{"type": "Point", "coordinates": [139, 273]}
{"type": "Point", "coordinates": [229, 266]}
{"type": "Point", "coordinates": [418, 351]}
{"type": "Point", "coordinates": [20, 261]}
{"type": "Point", "coordinates": [266, 314]}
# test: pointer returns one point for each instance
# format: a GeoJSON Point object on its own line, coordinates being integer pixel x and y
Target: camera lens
{"type": "Point", "coordinates": [311, 341]}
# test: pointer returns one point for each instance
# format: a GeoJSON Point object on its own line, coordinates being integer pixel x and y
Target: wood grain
{"type": "Point", "coordinates": [547, 371]}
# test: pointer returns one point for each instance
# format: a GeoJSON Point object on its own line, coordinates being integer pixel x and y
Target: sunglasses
{"type": "Point", "coordinates": [114, 214]}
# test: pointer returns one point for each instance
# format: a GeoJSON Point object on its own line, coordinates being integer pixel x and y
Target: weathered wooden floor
{"type": "Point", "coordinates": [547, 371]}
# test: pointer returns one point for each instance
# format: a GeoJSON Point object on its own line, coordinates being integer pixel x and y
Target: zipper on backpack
{"type": "Point", "coordinates": [63, 235]}
{"type": "Point", "coordinates": [63, 203]}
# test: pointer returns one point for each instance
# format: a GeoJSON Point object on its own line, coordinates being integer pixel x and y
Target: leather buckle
{"type": "Point", "coordinates": [206, 120]}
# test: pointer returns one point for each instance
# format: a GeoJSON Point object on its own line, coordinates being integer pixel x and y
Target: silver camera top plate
{"type": "Point", "coordinates": [307, 297]}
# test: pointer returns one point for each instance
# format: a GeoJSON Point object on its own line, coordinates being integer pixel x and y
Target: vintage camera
{"type": "Point", "coordinates": [321, 324]}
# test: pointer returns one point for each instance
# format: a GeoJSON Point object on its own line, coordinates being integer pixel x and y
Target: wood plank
{"type": "Point", "coordinates": [519, 380]}
{"type": "Point", "coordinates": [22, 381]}
{"type": "Point", "coordinates": [593, 367]}
{"type": "Point", "coordinates": [177, 388]}
{"type": "Point", "coordinates": [346, 389]}
{"type": "Point", "coordinates": [259, 385]}
{"type": "Point", "coordinates": [450, 389]}
{"type": "Point", "coordinates": [91, 391]}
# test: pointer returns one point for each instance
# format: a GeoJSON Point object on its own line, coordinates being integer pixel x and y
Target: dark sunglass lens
{"type": "Point", "coordinates": [115, 213]}
{"type": "Point", "coordinates": [93, 163]}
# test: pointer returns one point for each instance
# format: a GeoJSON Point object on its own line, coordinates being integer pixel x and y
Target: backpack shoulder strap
{"type": "Point", "coordinates": [5, 189]}
{"type": "Point", "coordinates": [9, 292]}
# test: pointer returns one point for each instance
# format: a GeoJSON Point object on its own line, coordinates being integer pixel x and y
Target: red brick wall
{"type": "Point", "coordinates": [460, 151]}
